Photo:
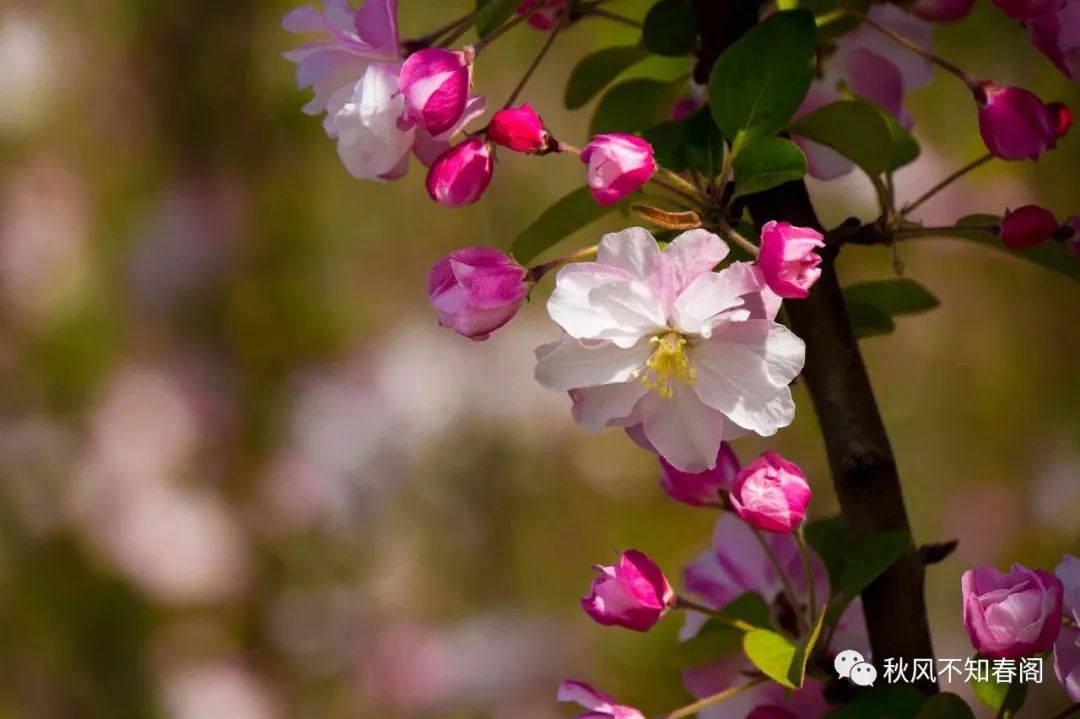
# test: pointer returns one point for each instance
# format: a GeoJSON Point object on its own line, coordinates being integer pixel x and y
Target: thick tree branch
{"type": "Point", "coordinates": [863, 465]}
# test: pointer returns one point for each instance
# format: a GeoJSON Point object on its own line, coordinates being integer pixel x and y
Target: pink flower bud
{"type": "Point", "coordinates": [1012, 615]}
{"type": "Point", "coordinates": [476, 290]}
{"type": "Point", "coordinates": [599, 704]}
{"type": "Point", "coordinates": [1063, 117]}
{"type": "Point", "coordinates": [788, 260]}
{"type": "Point", "coordinates": [1014, 123]}
{"type": "Point", "coordinates": [618, 165]}
{"type": "Point", "coordinates": [1029, 9]}
{"type": "Point", "coordinates": [1027, 226]}
{"type": "Point", "coordinates": [435, 83]}
{"type": "Point", "coordinates": [771, 494]}
{"type": "Point", "coordinates": [547, 17]}
{"type": "Point", "coordinates": [942, 10]}
{"type": "Point", "coordinates": [519, 129]}
{"type": "Point", "coordinates": [462, 173]}
{"type": "Point", "coordinates": [634, 594]}
{"type": "Point", "coordinates": [701, 489]}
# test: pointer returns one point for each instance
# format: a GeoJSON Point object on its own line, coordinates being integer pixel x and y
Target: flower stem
{"type": "Point", "coordinates": [789, 590]}
{"type": "Point", "coordinates": [682, 603]}
{"type": "Point", "coordinates": [538, 271]}
{"type": "Point", "coordinates": [696, 707]}
{"type": "Point", "coordinates": [729, 233]}
{"type": "Point", "coordinates": [427, 40]}
{"type": "Point", "coordinates": [811, 590]}
{"type": "Point", "coordinates": [975, 164]}
{"type": "Point", "coordinates": [915, 233]}
{"type": "Point", "coordinates": [535, 64]}
{"type": "Point", "coordinates": [692, 197]}
{"type": "Point", "coordinates": [913, 47]}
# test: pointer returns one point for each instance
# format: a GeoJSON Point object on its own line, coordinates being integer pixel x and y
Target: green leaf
{"type": "Point", "coordinates": [490, 14]}
{"type": "Point", "coordinates": [896, 297]}
{"type": "Point", "coordinates": [829, 539]}
{"type": "Point", "coordinates": [704, 143]}
{"type": "Point", "coordinates": [635, 105]}
{"type": "Point", "coordinates": [750, 608]}
{"type": "Point", "coordinates": [767, 162]}
{"type": "Point", "coordinates": [945, 706]}
{"type": "Point", "coordinates": [797, 672]}
{"type": "Point", "coordinates": [889, 702]}
{"type": "Point", "coordinates": [905, 148]}
{"type": "Point", "coordinates": [759, 82]}
{"type": "Point", "coordinates": [870, 559]}
{"type": "Point", "coordinates": [994, 695]}
{"type": "Point", "coordinates": [669, 143]}
{"type": "Point", "coordinates": [772, 653]}
{"type": "Point", "coordinates": [853, 128]}
{"type": "Point", "coordinates": [670, 28]}
{"type": "Point", "coordinates": [1051, 254]}
{"type": "Point", "coordinates": [598, 70]}
{"type": "Point", "coordinates": [566, 216]}
{"type": "Point", "coordinates": [869, 321]}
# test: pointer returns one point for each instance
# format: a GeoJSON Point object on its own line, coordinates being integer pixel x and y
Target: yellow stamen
{"type": "Point", "coordinates": [668, 364]}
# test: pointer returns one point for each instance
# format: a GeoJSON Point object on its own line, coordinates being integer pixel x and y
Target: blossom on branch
{"type": "Point", "coordinates": [633, 594]}
{"type": "Point", "coordinates": [619, 164]}
{"type": "Point", "coordinates": [659, 339]}
{"type": "Point", "coordinates": [1011, 615]}
{"type": "Point", "coordinates": [476, 290]}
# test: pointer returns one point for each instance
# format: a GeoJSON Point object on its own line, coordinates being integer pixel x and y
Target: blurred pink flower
{"type": "Point", "coordinates": [633, 594]}
{"type": "Point", "coordinates": [1057, 35]}
{"type": "Point", "coordinates": [1014, 614]}
{"type": "Point", "coordinates": [789, 259]}
{"type": "Point", "coordinates": [1067, 647]}
{"type": "Point", "coordinates": [1029, 9]}
{"type": "Point", "coordinates": [657, 338]}
{"type": "Point", "coordinates": [765, 701]}
{"type": "Point", "coordinates": [599, 704]}
{"type": "Point", "coordinates": [547, 17]}
{"type": "Point", "coordinates": [942, 10]}
{"type": "Point", "coordinates": [701, 489]}
{"type": "Point", "coordinates": [219, 689]}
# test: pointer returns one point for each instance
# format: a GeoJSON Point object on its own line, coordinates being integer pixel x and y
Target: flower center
{"type": "Point", "coordinates": [668, 364]}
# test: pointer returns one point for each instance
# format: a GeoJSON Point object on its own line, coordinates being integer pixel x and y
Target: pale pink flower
{"type": "Point", "coordinates": [1014, 614]}
{"type": "Point", "coordinates": [599, 704]}
{"type": "Point", "coordinates": [788, 259]}
{"type": "Point", "coordinates": [1014, 123]}
{"type": "Point", "coordinates": [771, 494]}
{"type": "Point", "coordinates": [461, 174]}
{"type": "Point", "coordinates": [633, 594]}
{"type": "Point", "coordinates": [659, 339]}
{"type": "Point", "coordinates": [619, 164]}
{"type": "Point", "coordinates": [1057, 35]}
{"type": "Point", "coordinates": [354, 67]}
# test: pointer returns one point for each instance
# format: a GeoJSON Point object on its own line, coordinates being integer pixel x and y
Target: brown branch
{"type": "Point", "coordinates": [863, 465]}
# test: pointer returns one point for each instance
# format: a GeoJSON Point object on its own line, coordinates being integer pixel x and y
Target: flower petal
{"type": "Point", "coordinates": [714, 295]}
{"type": "Point", "coordinates": [685, 431]}
{"type": "Point", "coordinates": [635, 251]}
{"type": "Point", "coordinates": [607, 405]}
{"type": "Point", "coordinates": [692, 254]}
{"type": "Point", "coordinates": [571, 364]}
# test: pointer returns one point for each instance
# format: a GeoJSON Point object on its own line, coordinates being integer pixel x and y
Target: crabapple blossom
{"type": "Point", "coordinates": [1027, 226]}
{"type": "Point", "coordinates": [633, 594]}
{"type": "Point", "coordinates": [657, 338]}
{"type": "Point", "coordinates": [461, 174]}
{"type": "Point", "coordinates": [771, 494]}
{"type": "Point", "coordinates": [546, 18]}
{"type": "Point", "coordinates": [435, 85]}
{"type": "Point", "coordinates": [1014, 614]}
{"type": "Point", "coordinates": [788, 259]}
{"type": "Point", "coordinates": [519, 129]}
{"type": "Point", "coordinates": [1067, 646]}
{"type": "Point", "coordinates": [619, 164]}
{"type": "Point", "coordinates": [600, 705]}
{"type": "Point", "coordinates": [1057, 35]}
{"type": "Point", "coordinates": [701, 489]}
{"type": "Point", "coordinates": [476, 290]}
{"type": "Point", "coordinates": [1014, 123]}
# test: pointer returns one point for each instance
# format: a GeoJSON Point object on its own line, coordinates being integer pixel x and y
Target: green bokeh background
{"type": "Point", "coordinates": [439, 576]}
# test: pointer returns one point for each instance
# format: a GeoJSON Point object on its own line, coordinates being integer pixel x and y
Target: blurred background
{"type": "Point", "coordinates": [243, 474]}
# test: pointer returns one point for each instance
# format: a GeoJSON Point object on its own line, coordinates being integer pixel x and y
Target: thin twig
{"type": "Point", "coordinates": [696, 707]}
{"type": "Point", "coordinates": [508, 26]}
{"type": "Point", "coordinates": [728, 232]}
{"type": "Point", "coordinates": [434, 35]}
{"type": "Point", "coordinates": [789, 590]}
{"type": "Point", "coordinates": [945, 183]}
{"type": "Point", "coordinates": [535, 64]}
{"type": "Point", "coordinates": [691, 197]}
{"type": "Point", "coordinates": [811, 589]}
{"type": "Point", "coordinates": [739, 624]}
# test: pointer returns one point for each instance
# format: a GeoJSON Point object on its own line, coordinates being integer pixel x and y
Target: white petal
{"type": "Point", "coordinates": [685, 431]}
{"type": "Point", "coordinates": [635, 251]}
{"type": "Point", "coordinates": [572, 364]}
{"type": "Point", "coordinates": [744, 370]}
{"type": "Point", "coordinates": [716, 295]}
{"type": "Point", "coordinates": [694, 253]}
{"type": "Point", "coordinates": [632, 309]}
{"type": "Point", "coordinates": [607, 405]}
{"type": "Point", "coordinates": [570, 305]}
